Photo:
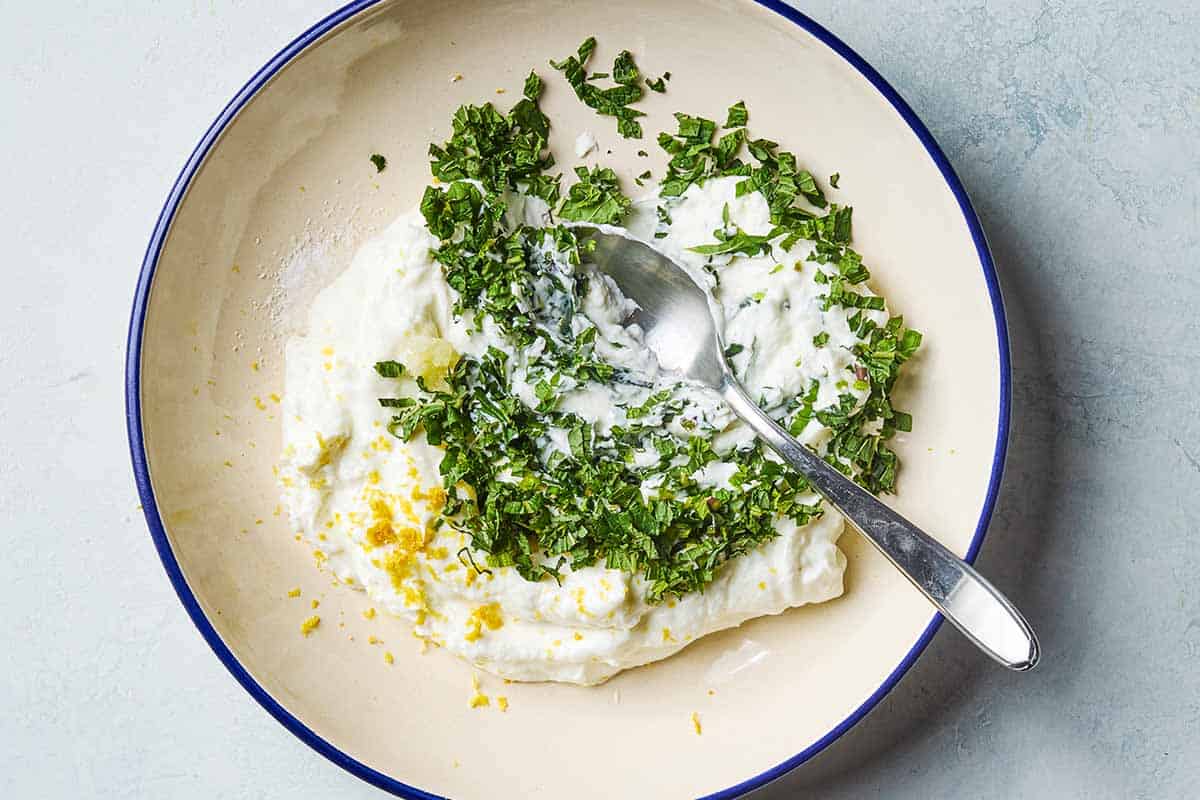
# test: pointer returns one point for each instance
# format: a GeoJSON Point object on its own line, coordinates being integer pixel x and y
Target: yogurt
{"type": "Point", "coordinates": [368, 503]}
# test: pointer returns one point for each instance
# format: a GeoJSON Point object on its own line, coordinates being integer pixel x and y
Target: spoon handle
{"type": "Point", "coordinates": [963, 596]}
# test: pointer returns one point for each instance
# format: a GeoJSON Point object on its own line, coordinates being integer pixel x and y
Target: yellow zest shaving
{"type": "Point", "coordinates": [488, 615]}
{"type": "Point", "coordinates": [478, 699]}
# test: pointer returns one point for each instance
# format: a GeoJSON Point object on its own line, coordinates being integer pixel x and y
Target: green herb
{"type": "Point", "coordinates": [624, 70]}
{"type": "Point", "coordinates": [690, 150]}
{"type": "Point", "coordinates": [653, 401]}
{"type": "Point", "coordinates": [820, 339]}
{"type": "Point", "coordinates": [482, 261]}
{"type": "Point", "coordinates": [880, 352]}
{"type": "Point", "coordinates": [737, 115]}
{"type": "Point", "coordinates": [737, 241]}
{"type": "Point", "coordinates": [586, 48]}
{"type": "Point", "coordinates": [840, 295]}
{"type": "Point", "coordinates": [657, 84]}
{"type": "Point", "coordinates": [499, 151]}
{"type": "Point", "coordinates": [595, 198]}
{"type": "Point", "coordinates": [834, 178]}
{"type": "Point", "coordinates": [780, 181]}
{"type": "Point", "coordinates": [614, 101]}
{"type": "Point", "coordinates": [379, 161]}
{"type": "Point", "coordinates": [389, 369]}
{"type": "Point", "coordinates": [802, 408]}
{"type": "Point", "coordinates": [532, 90]}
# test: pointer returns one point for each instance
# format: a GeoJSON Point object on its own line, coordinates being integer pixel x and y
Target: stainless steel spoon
{"type": "Point", "coordinates": [679, 328]}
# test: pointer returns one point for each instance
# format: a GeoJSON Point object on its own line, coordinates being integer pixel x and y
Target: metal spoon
{"type": "Point", "coordinates": [678, 325]}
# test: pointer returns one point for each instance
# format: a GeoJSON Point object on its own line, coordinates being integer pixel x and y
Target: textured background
{"type": "Point", "coordinates": [1074, 125]}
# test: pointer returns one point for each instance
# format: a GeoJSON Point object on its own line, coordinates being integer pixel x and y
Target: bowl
{"type": "Point", "coordinates": [270, 207]}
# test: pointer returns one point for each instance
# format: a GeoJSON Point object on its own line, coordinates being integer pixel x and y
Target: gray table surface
{"type": "Point", "coordinates": [1074, 125]}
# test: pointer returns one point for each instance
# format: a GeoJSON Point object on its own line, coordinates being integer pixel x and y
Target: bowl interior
{"type": "Point", "coordinates": [276, 210]}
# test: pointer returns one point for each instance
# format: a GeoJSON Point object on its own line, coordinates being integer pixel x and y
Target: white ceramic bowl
{"type": "Point", "coordinates": [269, 208]}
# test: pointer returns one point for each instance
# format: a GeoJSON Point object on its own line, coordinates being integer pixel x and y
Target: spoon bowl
{"type": "Point", "coordinates": [672, 309]}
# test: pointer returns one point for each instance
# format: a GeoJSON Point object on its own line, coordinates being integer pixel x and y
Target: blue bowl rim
{"type": "Point", "coordinates": [154, 520]}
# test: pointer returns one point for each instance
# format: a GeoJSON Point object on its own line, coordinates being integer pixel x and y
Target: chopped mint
{"type": "Point", "coordinates": [389, 369]}
{"type": "Point", "coordinates": [738, 241]}
{"type": "Point", "coordinates": [595, 198]}
{"type": "Point", "coordinates": [737, 115]}
{"type": "Point", "coordinates": [613, 102]}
